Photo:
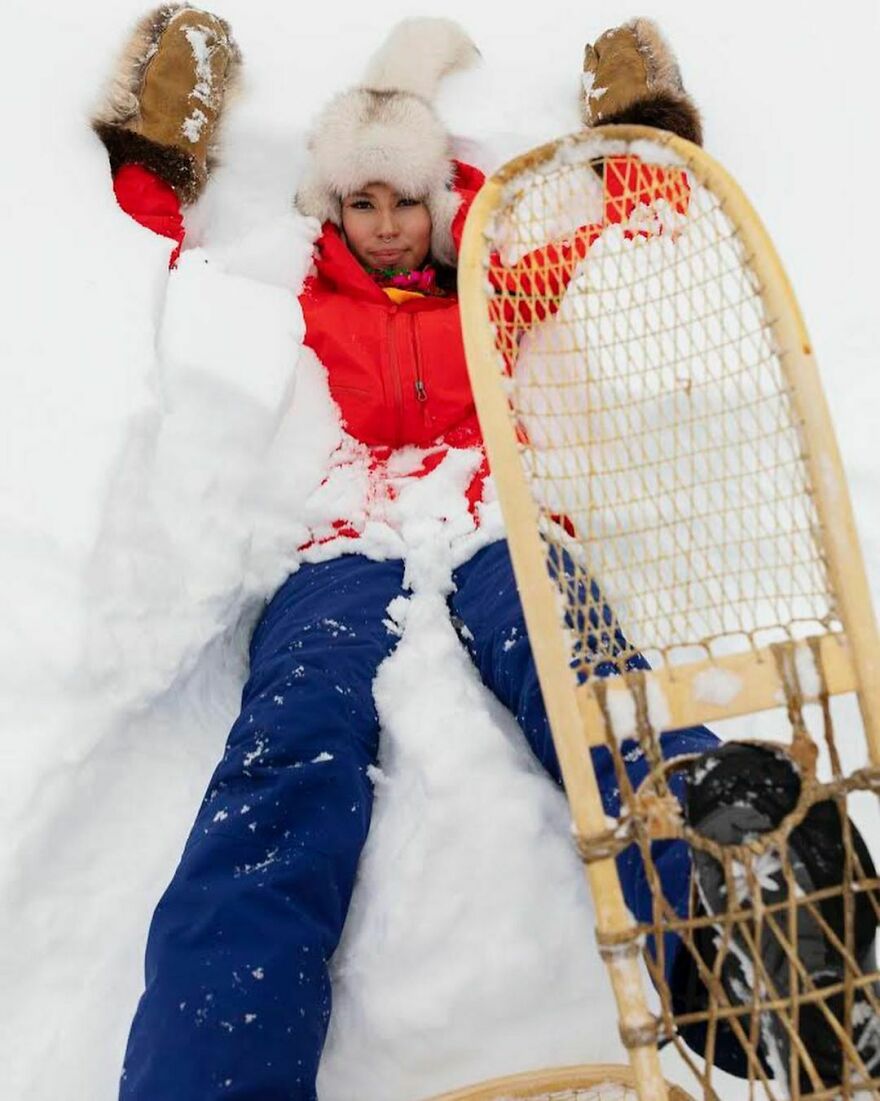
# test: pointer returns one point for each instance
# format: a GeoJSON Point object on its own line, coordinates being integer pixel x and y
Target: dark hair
{"type": "Point", "coordinates": [447, 278]}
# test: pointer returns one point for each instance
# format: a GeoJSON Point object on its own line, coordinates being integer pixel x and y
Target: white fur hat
{"type": "Point", "coordinates": [387, 131]}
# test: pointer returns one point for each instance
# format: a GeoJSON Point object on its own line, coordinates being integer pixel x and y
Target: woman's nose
{"type": "Point", "coordinates": [387, 224]}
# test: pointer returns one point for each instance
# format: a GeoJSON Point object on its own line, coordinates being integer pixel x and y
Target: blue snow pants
{"type": "Point", "coordinates": [237, 996]}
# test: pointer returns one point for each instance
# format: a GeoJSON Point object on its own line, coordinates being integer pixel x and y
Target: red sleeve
{"type": "Point", "coordinates": [533, 288]}
{"type": "Point", "coordinates": [630, 183]}
{"type": "Point", "coordinates": [538, 281]}
{"type": "Point", "coordinates": [151, 202]}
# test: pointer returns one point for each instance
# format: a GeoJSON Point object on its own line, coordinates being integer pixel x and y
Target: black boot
{"type": "Point", "coordinates": [735, 794]}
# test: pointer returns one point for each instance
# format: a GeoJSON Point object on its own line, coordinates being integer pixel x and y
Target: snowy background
{"type": "Point", "coordinates": [161, 437]}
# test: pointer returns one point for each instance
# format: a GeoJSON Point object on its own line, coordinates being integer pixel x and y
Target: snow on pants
{"type": "Point", "coordinates": [237, 996]}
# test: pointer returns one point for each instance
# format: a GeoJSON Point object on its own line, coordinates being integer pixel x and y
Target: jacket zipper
{"type": "Point", "coordinates": [395, 371]}
{"type": "Point", "coordinates": [421, 390]}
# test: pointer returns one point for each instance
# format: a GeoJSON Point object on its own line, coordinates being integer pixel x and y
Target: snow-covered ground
{"type": "Point", "coordinates": [161, 437]}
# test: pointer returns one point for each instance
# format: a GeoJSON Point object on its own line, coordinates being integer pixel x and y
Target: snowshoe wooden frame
{"type": "Point", "coordinates": [578, 1083]}
{"type": "Point", "coordinates": [840, 654]}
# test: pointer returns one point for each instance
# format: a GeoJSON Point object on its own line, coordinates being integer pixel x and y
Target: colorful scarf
{"type": "Point", "coordinates": [419, 281]}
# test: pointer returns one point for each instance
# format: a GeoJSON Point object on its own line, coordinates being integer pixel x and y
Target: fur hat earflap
{"type": "Point", "coordinates": [387, 131]}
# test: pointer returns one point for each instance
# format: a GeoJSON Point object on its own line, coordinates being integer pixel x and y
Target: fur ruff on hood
{"type": "Point", "coordinates": [387, 130]}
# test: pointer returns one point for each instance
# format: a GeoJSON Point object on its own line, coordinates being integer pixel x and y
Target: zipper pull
{"type": "Point", "coordinates": [421, 392]}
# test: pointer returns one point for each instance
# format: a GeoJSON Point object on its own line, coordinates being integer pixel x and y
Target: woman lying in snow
{"type": "Point", "coordinates": [237, 995]}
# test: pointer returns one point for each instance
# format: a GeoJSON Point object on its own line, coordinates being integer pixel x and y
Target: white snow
{"type": "Point", "coordinates": [764, 868]}
{"type": "Point", "coordinates": [621, 704]}
{"type": "Point", "coordinates": [717, 686]}
{"type": "Point", "coordinates": [193, 124]}
{"type": "Point", "coordinates": [165, 444]}
{"type": "Point", "coordinates": [808, 676]}
{"type": "Point", "coordinates": [622, 713]}
{"type": "Point", "coordinates": [202, 52]}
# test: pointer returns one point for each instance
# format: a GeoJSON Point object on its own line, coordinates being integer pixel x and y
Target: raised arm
{"type": "Point", "coordinates": [630, 76]}
{"type": "Point", "coordinates": [532, 289]}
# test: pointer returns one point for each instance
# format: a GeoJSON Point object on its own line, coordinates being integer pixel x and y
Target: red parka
{"type": "Point", "coordinates": [397, 371]}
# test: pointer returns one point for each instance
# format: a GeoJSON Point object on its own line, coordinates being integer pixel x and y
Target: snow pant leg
{"type": "Point", "coordinates": [237, 995]}
{"type": "Point", "coordinates": [487, 604]}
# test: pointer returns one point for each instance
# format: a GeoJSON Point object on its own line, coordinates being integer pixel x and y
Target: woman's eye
{"type": "Point", "coordinates": [360, 204]}
{"type": "Point", "coordinates": [409, 202]}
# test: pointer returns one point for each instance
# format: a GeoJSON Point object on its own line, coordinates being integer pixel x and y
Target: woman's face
{"type": "Point", "coordinates": [385, 230]}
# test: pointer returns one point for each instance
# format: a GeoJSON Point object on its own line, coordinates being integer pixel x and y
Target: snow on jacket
{"type": "Point", "coordinates": [398, 373]}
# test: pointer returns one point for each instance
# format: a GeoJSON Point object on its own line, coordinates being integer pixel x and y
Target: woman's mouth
{"type": "Point", "coordinates": [388, 256]}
